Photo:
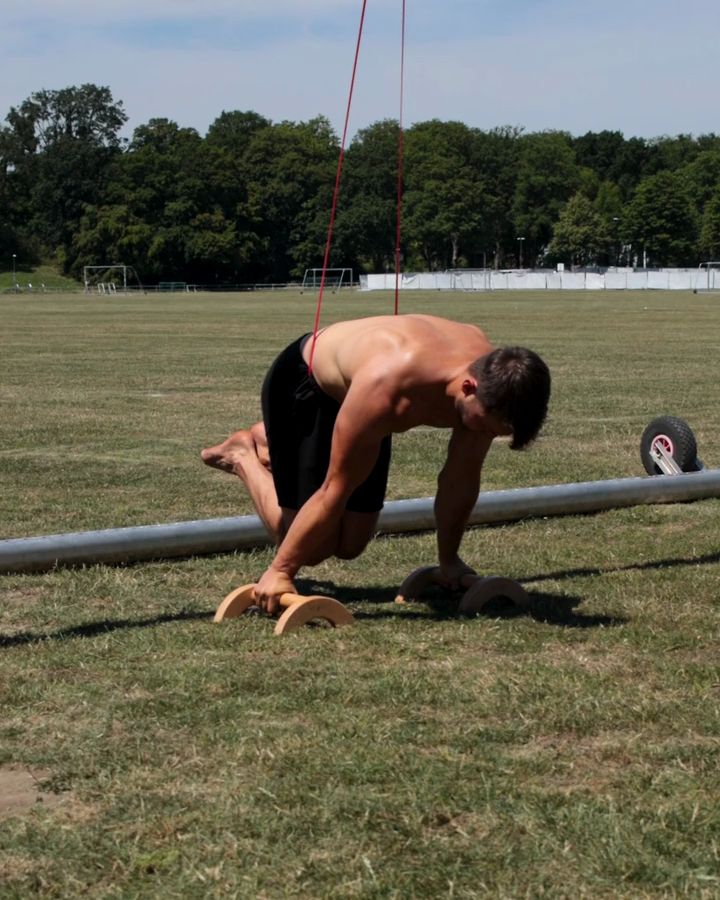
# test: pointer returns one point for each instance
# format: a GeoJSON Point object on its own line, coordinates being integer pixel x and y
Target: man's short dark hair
{"type": "Point", "coordinates": [514, 385]}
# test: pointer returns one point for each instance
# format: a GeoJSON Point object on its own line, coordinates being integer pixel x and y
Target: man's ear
{"type": "Point", "coordinates": [469, 386]}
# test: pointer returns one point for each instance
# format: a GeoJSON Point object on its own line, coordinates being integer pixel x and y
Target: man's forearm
{"type": "Point", "coordinates": [451, 522]}
{"type": "Point", "coordinates": [453, 505]}
{"type": "Point", "coordinates": [312, 536]}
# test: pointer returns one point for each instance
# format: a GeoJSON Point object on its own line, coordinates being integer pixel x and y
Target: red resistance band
{"type": "Point", "coordinates": [336, 190]}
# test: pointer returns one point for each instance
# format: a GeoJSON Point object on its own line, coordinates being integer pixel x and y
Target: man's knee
{"type": "Point", "coordinates": [357, 530]}
{"type": "Point", "coordinates": [351, 550]}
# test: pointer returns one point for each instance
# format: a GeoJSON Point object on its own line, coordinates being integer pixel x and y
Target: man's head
{"type": "Point", "coordinates": [513, 385]}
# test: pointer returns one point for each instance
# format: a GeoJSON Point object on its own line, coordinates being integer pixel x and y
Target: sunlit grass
{"type": "Point", "coordinates": [573, 752]}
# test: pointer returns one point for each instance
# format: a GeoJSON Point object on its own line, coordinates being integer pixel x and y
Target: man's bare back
{"type": "Point", "coordinates": [420, 345]}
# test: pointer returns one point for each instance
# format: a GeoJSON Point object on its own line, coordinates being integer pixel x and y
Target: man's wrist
{"type": "Point", "coordinates": [448, 559]}
{"type": "Point", "coordinates": [286, 569]}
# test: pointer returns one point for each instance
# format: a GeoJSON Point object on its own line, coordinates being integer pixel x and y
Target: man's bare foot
{"type": "Point", "coordinates": [239, 455]}
{"type": "Point", "coordinates": [232, 453]}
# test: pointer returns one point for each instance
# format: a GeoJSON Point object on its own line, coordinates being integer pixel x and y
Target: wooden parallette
{"type": "Point", "coordinates": [479, 591]}
{"type": "Point", "coordinates": [298, 610]}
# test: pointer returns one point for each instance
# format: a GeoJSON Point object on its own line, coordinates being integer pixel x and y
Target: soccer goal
{"type": "Point", "coordinates": [108, 279]}
{"type": "Point", "coordinates": [708, 277]}
{"type": "Point", "coordinates": [334, 279]}
{"type": "Point", "coordinates": [471, 280]}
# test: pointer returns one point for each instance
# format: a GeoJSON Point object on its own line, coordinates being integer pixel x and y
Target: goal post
{"type": "Point", "coordinates": [334, 279]}
{"type": "Point", "coordinates": [97, 279]}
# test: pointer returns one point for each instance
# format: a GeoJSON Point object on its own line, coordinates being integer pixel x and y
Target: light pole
{"type": "Point", "coordinates": [14, 279]}
{"type": "Point", "coordinates": [520, 241]}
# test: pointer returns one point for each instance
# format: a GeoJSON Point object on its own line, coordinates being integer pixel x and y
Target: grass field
{"type": "Point", "coordinates": [35, 279]}
{"type": "Point", "coordinates": [571, 753]}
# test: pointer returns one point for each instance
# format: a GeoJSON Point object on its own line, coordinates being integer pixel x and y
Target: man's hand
{"type": "Point", "coordinates": [450, 574]}
{"type": "Point", "coordinates": [270, 588]}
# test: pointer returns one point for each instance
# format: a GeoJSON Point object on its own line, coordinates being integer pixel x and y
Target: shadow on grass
{"type": "Point", "coordinates": [671, 563]}
{"type": "Point", "coordinates": [439, 605]}
{"type": "Point", "coordinates": [553, 609]}
{"type": "Point", "coordinates": [93, 629]}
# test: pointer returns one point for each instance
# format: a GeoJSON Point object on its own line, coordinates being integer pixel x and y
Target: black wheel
{"type": "Point", "coordinates": [675, 437]}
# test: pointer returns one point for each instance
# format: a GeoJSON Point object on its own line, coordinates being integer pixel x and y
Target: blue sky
{"type": "Point", "coordinates": [644, 67]}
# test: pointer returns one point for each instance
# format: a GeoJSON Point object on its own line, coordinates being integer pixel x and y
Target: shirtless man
{"type": "Point", "coordinates": [316, 466]}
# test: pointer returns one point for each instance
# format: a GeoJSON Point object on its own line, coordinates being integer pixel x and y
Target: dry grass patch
{"type": "Point", "coordinates": [21, 790]}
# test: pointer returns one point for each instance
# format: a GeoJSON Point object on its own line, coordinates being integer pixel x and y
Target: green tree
{"type": "Point", "coordinates": [366, 219]}
{"type": "Point", "coordinates": [599, 151]}
{"type": "Point", "coordinates": [710, 229]}
{"type": "Point", "coordinates": [234, 130]}
{"type": "Point", "coordinates": [673, 153]}
{"type": "Point", "coordinates": [609, 205]}
{"type": "Point", "coordinates": [548, 176]}
{"type": "Point", "coordinates": [495, 154]}
{"type": "Point", "coordinates": [87, 113]}
{"type": "Point", "coordinates": [580, 235]}
{"type": "Point", "coordinates": [9, 236]}
{"type": "Point", "coordinates": [613, 158]}
{"type": "Point", "coordinates": [446, 207]}
{"type": "Point", "coordinates": [608, 201]}
{"type": "Point", "coordinates": [113, 234]}
{"type": "Point", "coordinates": [289, 173]}
{"type": "Point", "coordinates": [702, 177]}
{"type": "Point", "coordinates": [660, 222]}
{"type": "Point", "coordinates": [251, 200]}
{"type": "Point", "coordinates": [57, 149]}
{"type": "Point", "coordinates": [166, 210]}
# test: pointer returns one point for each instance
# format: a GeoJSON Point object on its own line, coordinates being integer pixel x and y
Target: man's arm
{"type": "Point", "coordinates": [457, 493]}
{"type": "Point", "coordinates": [363, 421]}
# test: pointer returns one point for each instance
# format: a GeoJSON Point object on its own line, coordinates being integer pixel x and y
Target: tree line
{"type": "Point", "coordinates": [250, 200]}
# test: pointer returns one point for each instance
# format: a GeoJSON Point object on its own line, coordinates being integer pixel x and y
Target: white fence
{"type": "Point", "coordinates": [517, 280]}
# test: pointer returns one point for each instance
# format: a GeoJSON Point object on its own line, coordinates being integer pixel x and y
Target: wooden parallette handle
{"type": "Point", "coordinates": [298, 609]}
{"type": "Point", "coordinates": [417, 581]}
{"type": "Point", "coordinates": [479, 590]}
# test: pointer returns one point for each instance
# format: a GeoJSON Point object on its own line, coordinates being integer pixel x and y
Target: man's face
{"type": "Point", "coordinates": [474, 417]}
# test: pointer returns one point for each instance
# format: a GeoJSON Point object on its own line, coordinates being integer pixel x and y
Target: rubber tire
{"type": "Point", "coordinates": [680, 442]}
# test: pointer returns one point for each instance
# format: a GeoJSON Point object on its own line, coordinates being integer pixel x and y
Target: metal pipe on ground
{"type": "Point", "coordinates": [204, 536]}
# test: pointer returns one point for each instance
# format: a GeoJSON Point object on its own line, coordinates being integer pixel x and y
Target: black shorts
{"type": "Point", "coordinates": [299, 420]}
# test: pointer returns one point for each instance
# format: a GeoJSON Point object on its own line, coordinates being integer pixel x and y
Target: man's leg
{"type": "Point", "coordinates": [245, 454]}
{"type": "Point", "coordinates": [356, 531]}
{"type": "Point", "coordinates": [359, 523]}
{"type": "Point", "coordinates": [240, 455]}
{"type": "Point", "coordinates": [261, 443]}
